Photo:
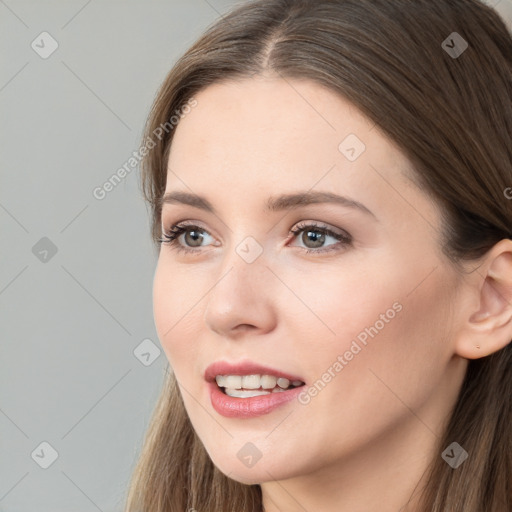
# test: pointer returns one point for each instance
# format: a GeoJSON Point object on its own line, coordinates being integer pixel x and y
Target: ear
{"type": "Point", "coordinates": [487, 319]}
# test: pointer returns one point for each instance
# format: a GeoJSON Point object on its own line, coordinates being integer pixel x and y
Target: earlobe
{"type": "Point", "coordinates": [489, 327]}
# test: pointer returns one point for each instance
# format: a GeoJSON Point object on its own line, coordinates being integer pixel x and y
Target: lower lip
{"type": "Point", "coordinates": [234, 407]}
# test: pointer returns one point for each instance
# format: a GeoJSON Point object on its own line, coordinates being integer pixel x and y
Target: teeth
{"type": "Point", "coordinates": [283, 383]}
{"type": "Point", "coordinates": [242, 393]}
{"type": "Point", "coordinates": [238, 393]}
{"type": "Point", "coordinates": [233, 381]}
{"type": "Point", "coordinates": [268, 381]}
{"type": "Point", "coordinates": [251, 382]}
{"type": "Point", "coordinates": [254, 382]}
{"type": "Point", "coordinates": [221, 381]}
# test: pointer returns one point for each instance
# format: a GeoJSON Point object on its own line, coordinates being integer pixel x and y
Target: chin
{"type": "Point", "coordinates": [261, 471]}
{"type": "Point", "coordinates": [246, 478]}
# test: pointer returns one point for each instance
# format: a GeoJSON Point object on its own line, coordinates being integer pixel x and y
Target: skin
{"type": "Point", "coordinates": [364, 441]}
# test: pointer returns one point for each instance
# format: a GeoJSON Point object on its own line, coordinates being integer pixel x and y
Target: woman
{"type": "Point", "coordinates": [334, 283]}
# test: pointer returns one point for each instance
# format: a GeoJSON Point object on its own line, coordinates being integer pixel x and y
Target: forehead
{"type": "Point", "coordinates": [271, 135]}
{"type": "Point", "coordinates": [263, 119]}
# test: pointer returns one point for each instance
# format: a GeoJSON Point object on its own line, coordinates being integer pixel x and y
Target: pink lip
{"type": "Point", "coordinates": [233, 407]}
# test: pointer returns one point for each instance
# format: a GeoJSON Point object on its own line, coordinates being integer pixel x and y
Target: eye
{"type": "Point", "coordinates": [194, 235]}
{"type": "Point", "coordinates": [314, 237]}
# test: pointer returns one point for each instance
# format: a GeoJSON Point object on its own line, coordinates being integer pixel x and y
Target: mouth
{"type": "Point", "coordinates": [248, 389]}
{"type": "Point", "coordinates": [248, 386]}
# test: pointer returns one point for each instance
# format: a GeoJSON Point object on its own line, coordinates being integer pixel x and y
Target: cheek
{"type": "Point", "coordinates": [175, 310]}
{"type": "Point", "coordinates": [389, 355]}
{"type": "Point", "coordinates": [382, 321]}
{"type": "Point", "coordinates": [338, 307]}
{"type": "Point", "coordinates": [391, 348]}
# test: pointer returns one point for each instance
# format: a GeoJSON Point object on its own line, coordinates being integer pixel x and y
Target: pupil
{"type": "Point", "coordinates": [317, 238]}
{"type": "Point", "coordinates": [196, 237]}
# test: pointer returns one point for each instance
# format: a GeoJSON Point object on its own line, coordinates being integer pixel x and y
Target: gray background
{"type": "Point", "coordinates": [80, 367]}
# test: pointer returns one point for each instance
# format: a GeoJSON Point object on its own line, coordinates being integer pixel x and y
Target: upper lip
{"type": "Point", "coordinates": [245, 368]}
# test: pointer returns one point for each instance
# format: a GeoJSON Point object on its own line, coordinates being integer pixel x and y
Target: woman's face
{"type": "Point", "coordinates": [363, 321]}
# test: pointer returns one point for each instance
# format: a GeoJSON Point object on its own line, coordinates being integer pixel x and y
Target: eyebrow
{"type": "Point", "coordinates": [274, 204]}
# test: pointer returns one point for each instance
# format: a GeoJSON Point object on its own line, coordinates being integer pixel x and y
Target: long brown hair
{"type": "Point", "coordinates": [452, 118]}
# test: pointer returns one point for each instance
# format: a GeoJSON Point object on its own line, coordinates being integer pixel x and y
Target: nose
{"type": "Point", "coordinates": [241, 298]}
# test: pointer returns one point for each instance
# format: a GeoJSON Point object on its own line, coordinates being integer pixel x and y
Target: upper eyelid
{"type": "Point", "coordinates": [318, 225]}
{"type": "Point", "coordinates": [298, 225]}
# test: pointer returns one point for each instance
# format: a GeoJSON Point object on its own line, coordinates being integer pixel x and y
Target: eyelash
{"type": "Point", "coordinates": [172, 235]}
